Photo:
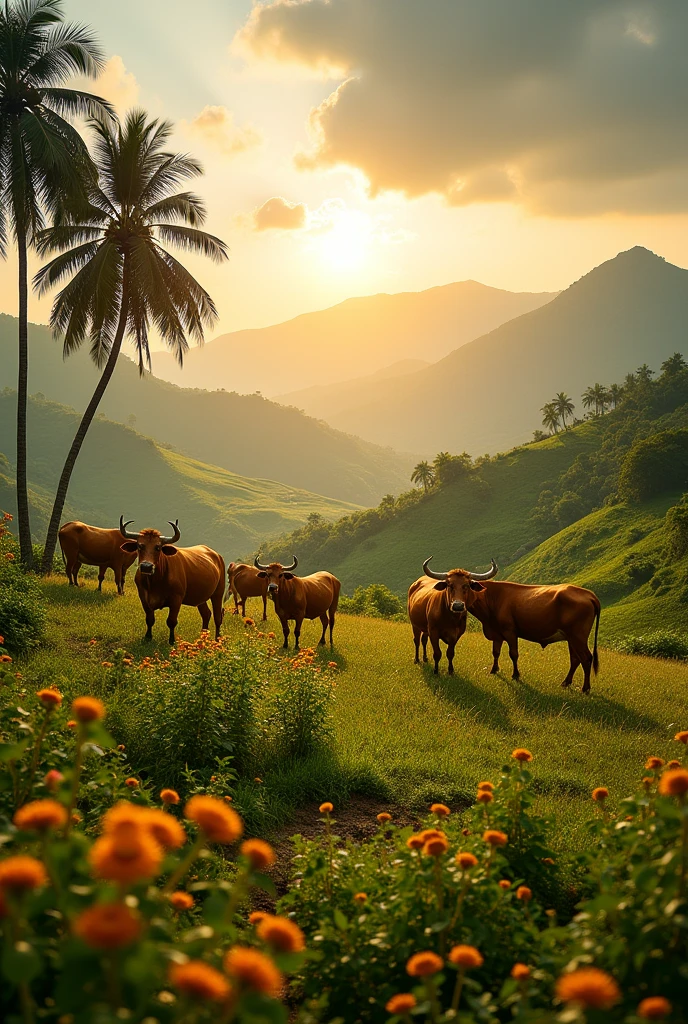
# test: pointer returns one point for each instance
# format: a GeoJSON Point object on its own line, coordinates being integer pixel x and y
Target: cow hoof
{"type": "Point", "coordinates": [516, 677]}
{"type": "Point", "coordinates": [416, 661]}
{"type": "Point", "coordinates": [450, 671]}
{"type": "Point", "coordinates": [494, 671]}
{"type": "Point", "coordinates": [436, 672]}
{"type": "Point", "coordinates": [586, 692]}
{"type": "Point", "coordinates": [567, 682]}
{"type": "Point", "coordinates": [321, 643]}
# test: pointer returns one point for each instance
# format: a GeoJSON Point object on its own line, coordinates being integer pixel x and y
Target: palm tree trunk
{"type": "Point", "coordinates": [79, 437]}
{"type": "Point", "coordinates": [23, 516]}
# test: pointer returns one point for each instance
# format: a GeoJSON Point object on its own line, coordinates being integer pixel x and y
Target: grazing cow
{"type": "Point", "coordinates": [544, 615]}
{"type": "Point", "coordinates": [245, 581]}
{"type": "Point", "coordinates": [298, 598]}
{"type": "Point", "coordinates": [168, 577]}
{"type": "Point", "coordinates": [89, 545]}
{"type": "Point", "coordinates": [437, 609]}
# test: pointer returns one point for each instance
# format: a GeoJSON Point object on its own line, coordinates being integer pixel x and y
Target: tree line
{"type": "Point", "coordinates": [107, 216]}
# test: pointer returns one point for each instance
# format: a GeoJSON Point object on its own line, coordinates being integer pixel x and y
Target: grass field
{"type": "Point", "coordinates": [405, 736]}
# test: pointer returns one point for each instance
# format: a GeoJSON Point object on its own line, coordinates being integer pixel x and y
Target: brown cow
{"type": "Point", "coordinates": [244, 581]}
{"type": "Point", "coordinates": [542, 614]}
{"type": "Point", "coordinates": [437, 609]}
{"type": "Point", "coordinates": [168, 577]}
{"type": "Point", "coordinates": [90, 545]}
{"type": "Point", "coordinates": [298, 598]}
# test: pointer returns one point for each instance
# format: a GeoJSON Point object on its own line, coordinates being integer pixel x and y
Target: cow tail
{"type": "Point", "coordinates": [595, 656]}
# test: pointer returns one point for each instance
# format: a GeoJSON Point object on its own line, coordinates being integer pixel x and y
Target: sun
{"type": "Point", "coordinates": [346, 243]}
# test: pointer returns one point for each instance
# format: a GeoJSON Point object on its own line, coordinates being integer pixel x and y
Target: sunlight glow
{"type": "Point", "coordinates": [346, 242]}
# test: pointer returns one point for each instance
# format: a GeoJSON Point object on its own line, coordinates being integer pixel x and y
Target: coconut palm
{"type": "Point", "coordinates": [644, 374]}
{"type": "Point", "coordinates": [597, 396]}
{"type": "Point", "coordinates": [550, 417]}
{"type": "Point", "coordinates": [588, 399]}
{"type": "Point", "coordinates": [564, 406]}
{"type": "Point", "coordinates": [121, 280]}
{"type": "Point", "coordinates": [43, 158]}
{"type": "Point", "coordinates": [423, 475]}
{"type": "Point", "coordinates": [615, 394]}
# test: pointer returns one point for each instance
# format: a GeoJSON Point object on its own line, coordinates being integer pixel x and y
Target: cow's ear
{"type": "Point", "coordinates": [129, 545]}
{"type": "Point", "coordinates": [477, 587]}
{"type": "Point", "coordinates": [288, 575]}
{"type": "Point", "coordinates": [168, 549]}
{"type": "Point", "coordinates": [262, 574]}
{"type": "Point", "coordinates": [442, 585]}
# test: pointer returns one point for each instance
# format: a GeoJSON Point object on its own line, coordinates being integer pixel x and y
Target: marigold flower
{"type": "Point", "coordinates": [52, 779]}
{"type": "Point", "coordinates": [600, 794]}
{"type": "Point", "coordinates": [360, 897]}
{"type": "Point", "coordinates": [495, 838]}
{"type": "Point", "coordinates": [281, 933]}
{"type": "Point", "coordinates": [654, 762]}
{"type": "Point", "coordinates": [256, 916]}
{"type": "Point", "coordinates": [430, 833]}
{"type": "Point", "coordinates": [521, 972]}
{"type": "Point", "coordinates": [588, 987]}
{"type": "Point", "coordinates": [654, 1008]}
{"type": "Point", "coordinates": [21, 872]}
{"type": "Point", "coordinates": [131, 783]}
{"type": "Point", "coordinates": [682, 736]}
{"type": "Point", "coordinates": [400, 1004]}
{"type": "Point", "coordinates": [9, 555]}
{"type": "Point", "coordinates": [436, 846]}
{"type": "Point", "coordinates": [220, 823]}
{"type": "Point", "coordinates": [5, 658]}
{"type": "Point", "coordinates": [674, 782]}
{"type": "Point", "coordinates": [169, 796]}
{"type": "Point", "coordinates": [484, 796]}
{"type": "Point", "coordinates": [421, 965]}
{"type": "Point", "coordinates": [326, 808]}
{"type": "Point", "coordinates": [524, 893]}
{"type": "Point", "coordinates": [465, 831]}
{"type": "Point", "coordinates": [466, 860]}
{"type": "Point", "coordinates": [488, 786]}
{"type": "Point", "coordinates": [415, 842]}
{"type": "Point", "coordinates": [260, 854]}
{"type": "Point", "coordinates": [72, 723]}
{"type": "Point", "coordinates": [128, 854]}
{"type": "Point", "coordinates": [466, 957]}
{"type": "Point", "coordinates": [181, 900]}
{"type": "Point", "coordinates": [504, 883]}
{"type": "Point", "coordinates": [548, 860]}
{"type": "Point", "coordinates": [88, 709]}
{"type": "Point", "coordinates": [254, 970]}
{"type": "Point", "coordinates": [673, 764]}
{"type": "Point", "coordinates": [121, 747]}
{"type": "Point", "coordinates": [106, 664]}
{"type": "Point", "coordinates": [332, 664]}
{"type": "Point", "coordinates": [123, 812]}
{"type": "Point", "coordinates": [49, 698]}
{"type": "Point", "coordinates": [41, 815]}
{"type": "Point", "coordinates": [108, 926]}
{"type": "Point", "coordinates": [521, 754]}
{"type": "Point", "coordinates": [271, 635]}
{"type": "Point", "coordinates": [165, 829]}
{"type": "Point", "coordinates": [440, 810]}
{"type": "Point", "coordinates": [200, 981]}
{"type": "Point", "coordinates": [384, 817]}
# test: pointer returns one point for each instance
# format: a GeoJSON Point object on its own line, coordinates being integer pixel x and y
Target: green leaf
{"type": "Point", "coordinates": [20, 962]}
{"type": "Point", "coordinates": [265, 883]}
{"type": "Point", "coordinates": [340, 920]}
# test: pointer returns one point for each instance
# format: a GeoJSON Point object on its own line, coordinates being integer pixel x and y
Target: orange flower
{"type": "Point", "coordinates": [521, 754]}
{"type": "Point", "coordinates": [50, 698]}
{"type": "Point", "coordinates": [495, 838]}
{"type": "Point", "coordinates": [384, 817]}
{"type": "Point", "coordinates": [421, 965]}
{"type": "Point", "coordinates": [440, 810]}
{"type": "Point", "coordinates": [674, 782]}
{"type": "Point", "coordinates": [181, 900]}
{"type": "Point", "coordinates": [673, 764]}
{"type": "Point", "coordinates": [415, 842]}
{"type": "Point", "coordinates": [486, 786]}
{"type": "Point", "coordinates": [41, 815]}
{"type": "Point", "coordinates": [256, 917]}
{"type": "Point", "coordinates": [436, 846]}
{"type": "Point", "coordinates": [165, 829]}
{"type": "Point", "coordinates": [401, 1003]}
{"type": "Point", "coordinates": [254, 970]}
{"type": "Point", "coordinates": [72, 723]}
{"type": "Point", "coordinates": [106, 664]}
{"type": "Point", "coordinates": [131, 783]}
{"type": "Point", "coordinates": [271, 635]}
{"type": "Point", "coordinates": [169, 796]}
{"type": "Point", "coordinates": [484, 796]}
{"type": "Point", "coordinates": [128, 854]}
{"type": "Point", "coordinates": [88, 709]}
{"type": "Point", "coordinates": [249, 622]}
{"type": "Point", "coordinates": [108, 926]}
{"type": "Point", "coordinates": [52, 779]}
{"type": "Point", "coordinates": [524, 893]}
{"type": "Point", "coordinates": [220, 823]}
{"type": "Point", "coordinates": [466, 957]}
{"type": "Point", "coordinates": [430, 833]}
{"type": "Point", "coordinates": [260, 854]}
{"type": "Point", "coordinates": [326, 808]}
{"type": "Point", "coordinates": [332, 664]}
{"type": "Point", "coordinates": [360, 897]}
{"type": "Point", "coordinates": [521, 972]}
{"type": "Point", "coordinates": [20, 873]}
{"type": "Point", "coordinates": [548, 860]}
{"type": "Point", "coordinates": [200, 981]}
{"type": "Point", "coordinates": [466, 860]}
{"type": "Point", "coordinates": [682, 736]}
{"type": "Point", "coordinates": [5, 658]}
{"type": "Point", "coordinates": [282, 934]}
{"type": "Point", "coordinates": [588, 987]}
{"type": "Point", "coordinates": [600, 794]}
{"type": "Point", "coordinates": [653, 763]}
{"type": "Point", "coordinates": [654, 1008]}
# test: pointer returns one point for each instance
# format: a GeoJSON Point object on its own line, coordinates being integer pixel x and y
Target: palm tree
{"type": "Point", "coordinates": [589, 399]}
{"type": "Point", "coordinates": [423, 475]}
{"type": "Point", "coordinates": [597, 396]}
{"type": "Point", "coordinates": [43, 158]}
{"type": "Point", "coordinates": [673, 365]}
{"type": "Point", "coordinates": [615, 394]}
{"type": "Point", "coordinates": [644, 374]}
{"type": "Point", "coordinates": [121, 278]}
{"type": "Point", "coordinates": [564, 406]}
{"type": "Point", "coordinates": [550, 417]}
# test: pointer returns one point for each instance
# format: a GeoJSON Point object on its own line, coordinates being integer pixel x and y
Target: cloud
{"type": "Point", "coordinates": [566, 108]}
{"type": "Point", "coordinates": [216, 127]}
{"type": "Point", "coordinates": [281, 214]}
{"type": "Point", "coordinates": [116, 84]}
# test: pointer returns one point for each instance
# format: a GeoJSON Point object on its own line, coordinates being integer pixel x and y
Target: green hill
{"type": "Point", "coordinates": [121, 471]}
{"type": "Point", "coordinates": [245, 434]}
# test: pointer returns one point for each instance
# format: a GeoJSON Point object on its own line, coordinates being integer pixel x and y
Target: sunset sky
{"type": "Point", "coordinates": [358, 146]}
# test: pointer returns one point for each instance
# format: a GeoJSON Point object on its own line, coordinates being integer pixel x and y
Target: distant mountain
{"type": "Point", "coordinates": [486, 395]}
{"type": "Point", "coordinates": [363, 335]}
{"type": "Point", "coordinates": [120, 471]}
{"type": "Point", "coordinates": [245, 434]}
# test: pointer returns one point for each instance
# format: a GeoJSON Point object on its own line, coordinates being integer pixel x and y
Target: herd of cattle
{"type": "Point", "coordinates": [168, 577]}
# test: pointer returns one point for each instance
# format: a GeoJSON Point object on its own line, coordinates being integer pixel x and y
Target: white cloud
{"type": "Point", "coordinates": [278, 213]}
{"type": "Point", "coordinates": [117, 85]}
{"type": "Point", "coordinates": [215, 126]}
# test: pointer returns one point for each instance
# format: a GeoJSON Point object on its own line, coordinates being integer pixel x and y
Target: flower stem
{"type": "Point", "coordinates": [432, 998]}
{"type": "Point", "coordinates": [185, 864]}
{"type": "Point", "coordinates": [456, 998]}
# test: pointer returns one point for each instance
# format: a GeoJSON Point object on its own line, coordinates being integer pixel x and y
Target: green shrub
{"type": "Point", "coordinates": [660, 643]}
{"type": "Point", "coordinates": [376, 601]}
{"type": "Point", "coordinates": [22, 611]}
{"type": "Point", "coordinates": [676, 522]}
{"type": "Point", "coordinates": [655, 465]}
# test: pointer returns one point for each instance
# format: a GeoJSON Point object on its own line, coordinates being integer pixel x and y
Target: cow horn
{"type": "Point", "coordinates": [486, 575]}
{"type": "Point", "coordinates": [290, 568]}
{"type": "Point", "coordinates": [259, 565]}
{"type": "Point", "coordinates": [175, 536]}
{"type": "Point", "coordinates": [434, 575]}
{"type": "Point", "coordinates": [123, 529]}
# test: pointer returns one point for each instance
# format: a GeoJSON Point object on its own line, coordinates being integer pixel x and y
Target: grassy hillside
{"type": "Point", "coordinates": [120, 471]}
{"type": "Point", "coordinates": [485, 395]}
{"type": "Point", "coordinates": [360, 335]}
{"type": "Point", "coordinates": [245, 434]}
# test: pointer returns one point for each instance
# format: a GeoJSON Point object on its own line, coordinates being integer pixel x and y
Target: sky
{"type": "Point", "coordinates": [361, 146]}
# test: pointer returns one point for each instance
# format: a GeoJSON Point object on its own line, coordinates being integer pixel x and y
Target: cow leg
{"type": "Point", "coordinates": [75, 573]}
{"type": "Point", "coordinates": [424, 641]}
{"type": "Point", "coordinates": [512, 641]}
{"type": "Point", "coordinates": [416, 641]}
{"type": "Point", "coordinates": [575, 662]}
{"type": "Point", "coordinates": [265, 607]}
{"type": "Point", "coordinates": [150, 622]}
{"type": "Point", "coordinates": [217, 601]}
{"type": "Point", "coordinates": [173, 617]}
{"type": "Point", "coordinates": [204, 609]}
{"type": "Point", "coordinates": [285, 631]}
{"type": "Point", "coordinates": [436, 651]}
{"type": "Point", "coordinates": [101, 576]}
{"type": "Point", "coordinates": [585, 659]}
{"type": "Point", "coordinates": [451, 647]}
{"type": "Point", "coordinates": [297, 632]}
{"type": "Point", "coordinates": [331, 615]}
{"type": "Point", "coordinates": [242, 604]}
{"type": "Point", "coordinates": [496, 651]}
{"type": "Point", "coordinates": [323, 620]}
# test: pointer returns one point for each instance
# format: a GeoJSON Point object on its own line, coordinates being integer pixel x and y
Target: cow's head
{"type": "Point", "coordinates": [461, 586]}
{"type": "Point", "coordinates": [149, 545]}
{"type": "Point", "coordinates": [275, 572]}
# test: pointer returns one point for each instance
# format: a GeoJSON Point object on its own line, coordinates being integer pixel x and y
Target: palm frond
{"type": "Point", "coordinates": [63, 265]}
{"type": "Point", "coordinates": [76, 103]}
{"type": "Point", "coordinates": [184, 206]}
{"type": "Point", "coordinates": [193, 240]}
{"type": "Point", "coordinates": [68, 49]}
{"type": "Point", "coordinates": [60, 237]}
